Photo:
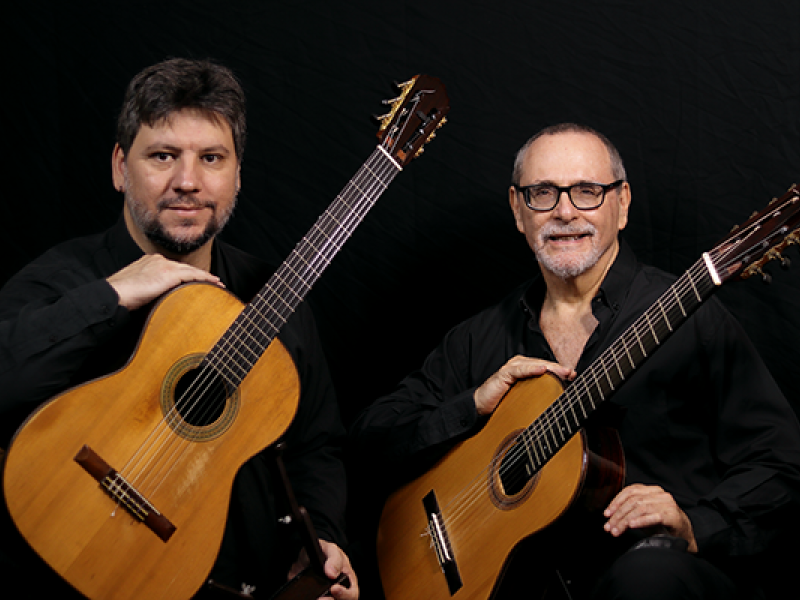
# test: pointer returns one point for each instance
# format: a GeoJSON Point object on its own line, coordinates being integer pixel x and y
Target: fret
{"type": "Point", "coordinates": [675, 293]}
{"type": "Point", "coordinates": [572, 401]}
{"type": "Point", "coordinates": [254, 324]}
{"type": "Point", "coordinates": [219, 370]}
{"type": "Point", "coordinates": [556, 425]}
{"type": "Point", "coordinates": [262, 317]}
{"type": "Point", "coordinates": [309, 264]}
{"type": "Point", "coordinates": [616, 361]}
{"type": "Point", "coordinates": [593, 372]}
{"type": "Point", "coordinates": [527, 445]}
{"type": "Point", "coordinates": [377, 178]}
{"type": "Point", "coordinates": [696, 293]}
{"type": "Point", "coordinates": [666, 319]}
{"type": "Point", "coordinates": [237, 351]}
{"type": "Point", "coordinates": [606, 372]}
{"type": "Point", "coordinates": [639, 340]}
{"type": "Point", "coordinates": [628, 354]}
{"type": "Point", "coordinates": [650, 325]}
{"type": "Point", "coordinates": [329, 239]}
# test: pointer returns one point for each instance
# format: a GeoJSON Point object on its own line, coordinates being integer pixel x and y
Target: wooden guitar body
{"type": "Point", "coordinates": [449, 533]}
{"type": "Point", "coordinates": [122, 485]}
{"type": "Point", "coordinates": [183, 468]}
{"type": "Point", "coordinates": [485, 511]}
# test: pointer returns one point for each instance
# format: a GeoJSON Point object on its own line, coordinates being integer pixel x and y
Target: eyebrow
{"type": "Point", "coordinates": [550, 182]}
{"type": "Point", "coordinates": [216, 148]}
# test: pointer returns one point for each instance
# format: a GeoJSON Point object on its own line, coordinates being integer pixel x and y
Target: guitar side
{"type": "Point", "coordinates": [184, 471]}
{"type": "Point", "coordinates": [483, 523]}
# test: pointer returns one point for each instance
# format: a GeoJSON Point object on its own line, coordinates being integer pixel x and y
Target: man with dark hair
{"type": "Point", "coordinates": [712, 448]}
{"type": "Point", "coordinates": [76, 313]}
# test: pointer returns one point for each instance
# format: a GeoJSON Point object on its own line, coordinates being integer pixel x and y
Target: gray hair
{"type": "Point", "coordinates": [617, 167]}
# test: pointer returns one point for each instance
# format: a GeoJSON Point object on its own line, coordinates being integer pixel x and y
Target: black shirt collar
{"type": "Point", "coordinates": [612, 291]}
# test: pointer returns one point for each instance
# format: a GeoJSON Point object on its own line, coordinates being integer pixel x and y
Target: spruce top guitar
{"type": "Point", "coordinates": [449, 533]}
{"type": "Point", "coordinates": [122, 484]}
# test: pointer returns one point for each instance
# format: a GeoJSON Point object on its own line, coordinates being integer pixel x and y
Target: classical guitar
{"type": "Point", "coordinates": [449, 533]}
{"type": "Point", "coordinates": [122, 485]}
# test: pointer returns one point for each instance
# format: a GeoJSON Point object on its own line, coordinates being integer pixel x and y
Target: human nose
{"type": "Point", "coordinates": [564, 210]}
{"type": "Point", "coordinates": [187, 177]}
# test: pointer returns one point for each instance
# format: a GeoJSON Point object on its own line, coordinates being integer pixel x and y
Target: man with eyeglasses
{"type": "Point", "coordinates": [712, 448]}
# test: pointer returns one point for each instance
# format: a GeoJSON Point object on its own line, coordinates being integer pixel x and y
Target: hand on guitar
{"type": "Point", "coordinates": [151, 276]}
{"type": "Point", "coordinates": [639, 506]}
{"type": "Point", "coordinates": [488, 395]}
{"type": "Point", "coordinates": [336, 562]}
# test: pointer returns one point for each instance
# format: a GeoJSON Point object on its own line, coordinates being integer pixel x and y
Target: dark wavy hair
{"type": "Point", "coordinates": [176, 84]}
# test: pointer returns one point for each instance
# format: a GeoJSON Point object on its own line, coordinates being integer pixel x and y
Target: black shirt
{"type": "Point", "coordinates": [702, 418]}
{"type": "Point", "coordinates": [61, 325]}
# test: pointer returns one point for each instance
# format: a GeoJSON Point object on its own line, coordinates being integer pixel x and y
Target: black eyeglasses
{"type": "Point", "coordinates": [542, 197]}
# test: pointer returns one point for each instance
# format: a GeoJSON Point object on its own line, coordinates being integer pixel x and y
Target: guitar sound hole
{"type": "Point", "coordinates": [200, 397]}
{"type": "Point", "coordinates": [515, 470]}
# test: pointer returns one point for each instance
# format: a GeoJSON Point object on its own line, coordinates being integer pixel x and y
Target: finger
{"type": "Point", "coordinates": [630, 493]}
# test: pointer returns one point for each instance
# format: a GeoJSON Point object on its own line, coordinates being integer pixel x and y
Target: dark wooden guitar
{"type": "Point", "coordinates": [122, 485]}
{"type": "Point", "coordinates": [449, 533]}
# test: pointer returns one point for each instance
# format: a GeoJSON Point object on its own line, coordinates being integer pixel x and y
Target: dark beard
{"type": "Point", "coordinates": [161, 239]}
{"type": "Point", "coordinates": [155, 232]}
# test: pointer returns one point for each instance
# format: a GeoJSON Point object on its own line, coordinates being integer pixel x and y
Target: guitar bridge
{"type": "Point", "coordinates": [441, 543]}
{"type": "Point", "coordinates": [123, 492]}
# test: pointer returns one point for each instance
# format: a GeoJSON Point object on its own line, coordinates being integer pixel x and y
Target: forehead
{"type": "Point", "coordinates": [187, 128]}
{"type": "Point", "coordinates": [566, 158]}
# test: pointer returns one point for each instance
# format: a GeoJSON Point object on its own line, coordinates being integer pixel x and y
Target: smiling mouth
{"type": "Point", "coordinates": [572, 237]}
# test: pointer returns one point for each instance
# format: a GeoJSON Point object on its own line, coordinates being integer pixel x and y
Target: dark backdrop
{"type": "Point", "coordinates": [702, 98]}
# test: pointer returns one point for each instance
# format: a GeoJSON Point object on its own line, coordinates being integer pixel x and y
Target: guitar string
{"type": "Point", "coordinates": [243, 329]}
{"type": "Point", "coordinates": [552, 414]}
{"type": "Point", "coordinates": [327, 215]}
{"type": "Point", "coordinates": [514, 455]}
{"type": "Point", "coordinates": [682, 288]}
{"type": "Point", "coordinates": [718, 257]}
{"type": "Point", "coordinates": [323, 259]}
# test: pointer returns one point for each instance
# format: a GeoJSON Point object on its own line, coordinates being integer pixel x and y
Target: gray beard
{"type": "Point", "coordinates": [558, 265]}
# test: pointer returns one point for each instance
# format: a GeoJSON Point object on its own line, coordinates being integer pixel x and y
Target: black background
{"type": "Point", "coordinates": [702, 99]}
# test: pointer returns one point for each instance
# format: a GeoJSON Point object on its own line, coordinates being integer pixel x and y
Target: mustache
{"type": "Point", "coordinates": [553, 229]}
{"type": "Point", "coordinates": [187, 201]}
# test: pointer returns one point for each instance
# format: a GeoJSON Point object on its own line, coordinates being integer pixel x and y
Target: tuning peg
{"type": "Point", "coordinates": [786, 262]}
{"type": "Point", "coordinates": [404, 85]}
{"type": "Point", "coordinates": [765, 276]}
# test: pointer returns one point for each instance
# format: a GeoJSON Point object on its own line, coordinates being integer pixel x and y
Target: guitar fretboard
{"type": "Point", "coordinates": [556, 425]}
{"type": "Point", "coordinates": [261, 320]}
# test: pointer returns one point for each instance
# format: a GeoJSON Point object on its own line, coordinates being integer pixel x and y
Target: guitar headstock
{"type": "Point", "coordinates": [760, 239]}
{"type": "Point", "coordinates": [414, 117]}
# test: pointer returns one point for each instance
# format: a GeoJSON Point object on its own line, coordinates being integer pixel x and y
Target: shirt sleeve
{"type": "Point", "coordinates": [49, 323]}
{"type": "Point", "coordinates": [756, 446]}
{"type": "Point", "coordinates": [429, 411]}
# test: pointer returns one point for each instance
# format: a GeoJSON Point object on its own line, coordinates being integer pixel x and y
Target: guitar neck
{"type": "Point", "coordinates": [564, 417]}
{"type": "Point", "coordinates": [262, 319]}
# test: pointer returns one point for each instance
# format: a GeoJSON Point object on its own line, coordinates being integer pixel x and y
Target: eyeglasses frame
{"type": "Point", "coordinates": [524, 190]}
